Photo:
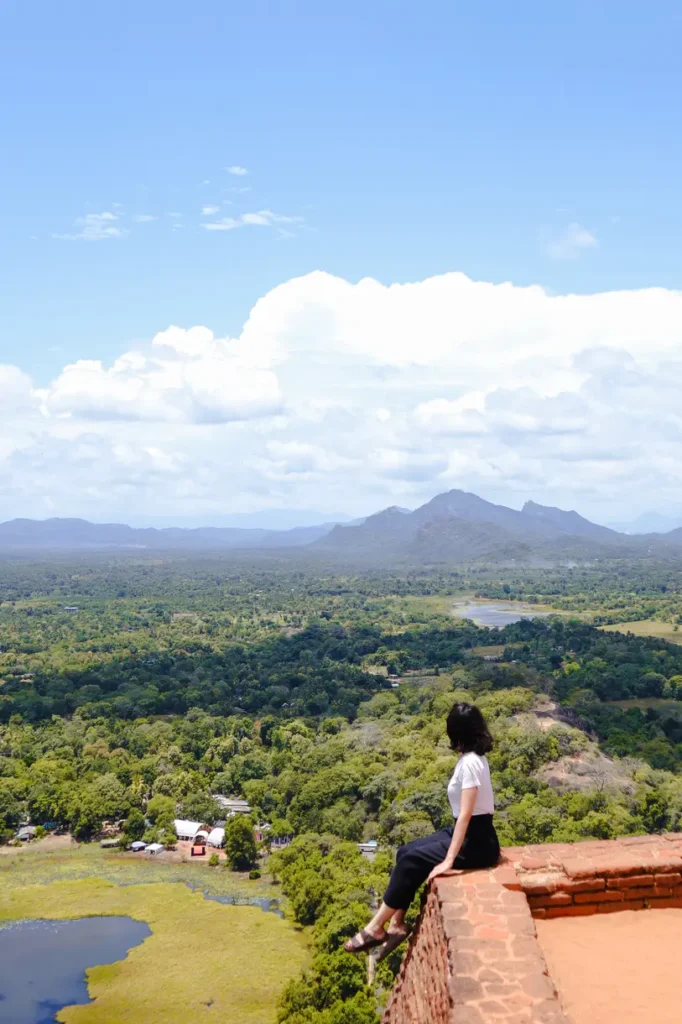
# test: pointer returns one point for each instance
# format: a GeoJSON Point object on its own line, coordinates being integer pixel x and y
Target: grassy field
{"type": "Point", "coordinates": [234, 960]}
{"type": "Point", "coordinates": [495, 650]}
{"type": "Point", "coordinates": [647, 627]}
{"type": "Point", "coordinates": [72, 861]}
{"type": "Point", "coordinates": [643, 703]}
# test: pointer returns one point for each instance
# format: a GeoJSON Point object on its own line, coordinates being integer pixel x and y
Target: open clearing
{"type": "Point", "coordinates": [58, 859]}
{"type": "Point", "coordinates": [201, 955]}
{"type": "Point", "coordinates": [647, 627]}
{"type": "Point", "coordinates": [643, 703]}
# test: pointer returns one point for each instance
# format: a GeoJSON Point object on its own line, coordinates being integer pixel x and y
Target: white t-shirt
{"type": "Point", "coordinates": [470, 771]}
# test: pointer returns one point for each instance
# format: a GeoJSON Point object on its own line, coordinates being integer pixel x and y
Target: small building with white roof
{"type": "Point", "coordinates": [216, 837]}
{"type": "Point", "coordinates": [186, 829]}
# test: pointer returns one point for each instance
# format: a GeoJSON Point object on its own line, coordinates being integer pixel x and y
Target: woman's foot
{"type": "Point", "coordinates": [394, 937]}
{"type": "Point", "coordinates": [366, 939]}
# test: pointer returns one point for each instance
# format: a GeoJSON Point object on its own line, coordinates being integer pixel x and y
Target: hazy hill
{"type": "Point", "coordinates": [569, 523]}
{"type": "Point", "coordinates": [650, 522]}
{"type": "Point", "coordinates": [75, 534]}
{"type": "Point", "coordinates": [458, 526]}
{"type": "Point", "coordinates": [463, 505]}
{"type": "Point", "coordinates": [455, 527]}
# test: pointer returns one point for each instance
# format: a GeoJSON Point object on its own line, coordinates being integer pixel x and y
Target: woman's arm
{"type": "Point", "coordinates": [466, 810]}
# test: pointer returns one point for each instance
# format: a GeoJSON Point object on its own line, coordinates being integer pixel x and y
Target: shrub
{"type": "Point", "coordinates": [254, 874]}
{"type": "Point", "coordinates": [213, 860]}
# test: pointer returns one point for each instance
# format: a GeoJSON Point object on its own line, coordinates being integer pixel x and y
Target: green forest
{"type": "Point", "coordinates": [321, 700]}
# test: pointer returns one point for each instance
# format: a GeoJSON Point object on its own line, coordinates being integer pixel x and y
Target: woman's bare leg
{"type": "Point", "coordinates": [397, 923]}
{"type": "Point", "coordinates": [383, 915]}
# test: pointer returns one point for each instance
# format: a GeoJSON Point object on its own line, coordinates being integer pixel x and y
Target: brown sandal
{"type": "Point", "coordinates": [366, 943]}
{"type": "Point", "coordinates": [392, 942]}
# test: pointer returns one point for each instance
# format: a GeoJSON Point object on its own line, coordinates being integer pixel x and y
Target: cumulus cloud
{"type": "Point", "coordinates": [95, 227]}
{"type": "Point", "coordinates": [571, 242]}
{"type": "Point", "coordinates": [208, 211]}
{"type": "Point", "coordinates": [238, 171]}
{"type": "Point", "coordinates": [187, 377]}
{"type": "Point", "coordinates": [261, 219]}
{"type": "Point", "coordinates": [352, 396]}
{"type": "Point", "coordinates": [143, 218]}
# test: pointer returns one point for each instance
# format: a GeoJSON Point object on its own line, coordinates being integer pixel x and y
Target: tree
{"type": "Point", "coordinates": [160, 806]}
{"type": "Point", "coordinates": [240, 844]}
{"type": "Point", "coordinates": [134, 826]}
{"type": "Point", "coordinates": [200, 807]}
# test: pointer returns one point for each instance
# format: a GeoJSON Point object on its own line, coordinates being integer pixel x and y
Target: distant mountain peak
{"type": "Point", "coordinates": [569, 522]}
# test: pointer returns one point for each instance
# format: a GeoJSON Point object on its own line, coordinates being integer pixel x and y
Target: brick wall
{"type": "Point", "coordinates": [474, 957]}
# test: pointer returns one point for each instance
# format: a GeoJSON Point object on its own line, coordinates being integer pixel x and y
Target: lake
{"type": "Point", "coordinates": [43, 963]}
{"type": "Point", "coordinates": [497, 615]}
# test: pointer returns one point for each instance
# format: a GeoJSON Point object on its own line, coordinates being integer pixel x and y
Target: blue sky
{"type": "Point", "coordinates": [534, 143]}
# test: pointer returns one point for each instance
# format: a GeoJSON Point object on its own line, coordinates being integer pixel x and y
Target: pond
{"type": "Point", "coordinates": [43, 963]}
{"type": "Point", "coordinates": [497, 615]}
{"type": "Point", "coordinates": [270, 906]}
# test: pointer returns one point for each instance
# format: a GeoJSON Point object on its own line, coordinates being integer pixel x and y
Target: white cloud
{"type": "Point", "coordinates": [238, 171]}
{"type": "Point", "coordinates": [186, 377]}
{"type": "Point", "coordinates": [143, 218]}
{"type": "Point", "coordinates": [359, 395]}
{"type": "Point", "coordinates": [95, 227]}
{"type": "Point", "coordinates": [263, 218]}
{"type": "Point", "coordinates": [571, 242]}
{"type": "Point", "coordinates": [207, 211]}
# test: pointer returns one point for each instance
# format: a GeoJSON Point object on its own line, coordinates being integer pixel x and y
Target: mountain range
{"type": "Point", "coordinates": [459, 527]}
{"type": "Point", "coordinates": [454, 527]}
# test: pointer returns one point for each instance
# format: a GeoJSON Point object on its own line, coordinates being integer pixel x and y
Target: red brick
{"type": "Point", "coordinates": [611, 908]}
{"type": "Point", "coordinates": [540, 913]}
{"type": "Point", "coordinates": [631, 882]}
{"type": "Point", "coordinates": [574, 911]}
{"type": "Point", "coordinates": [535, 863]}
{"type": "Point", "coordinates": [639, 841]}
{"type": "Point", "coordinates": [540, 889]}
{"type": "Point", "coordinates": [664, 903]}
{"type": "Point", "coordinates": [642, 893]}
{"type": "Point", "coordinates": [589, 885]}
{"type": "Point", "coordinates": [578, 868]}
{"type": "Point", "coordinates": [555, 899]}
{"type": "Point", "coordinates": [667, 862]}
{"type": "Point", "coordinates": [608, 896]}
{"type": "Point", "coordinates": [615, 866]}
{"type": "Point", "coordinates": [667, 879]}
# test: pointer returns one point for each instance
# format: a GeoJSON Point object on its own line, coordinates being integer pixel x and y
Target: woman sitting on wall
{"type": "Point", "coordinates": [470, 843]}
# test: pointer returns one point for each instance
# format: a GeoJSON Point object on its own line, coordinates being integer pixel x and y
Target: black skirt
{"type": "Point", "coordinates": [415, 861]}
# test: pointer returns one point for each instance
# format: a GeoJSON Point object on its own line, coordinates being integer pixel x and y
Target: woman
{"type": "Point", "coordinates": [471, 843]}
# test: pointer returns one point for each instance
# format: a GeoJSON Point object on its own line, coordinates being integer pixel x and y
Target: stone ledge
{"type": "Point", "coordinates": [474, 957]}
{"type": "Point", "coordinates": [623, 871]}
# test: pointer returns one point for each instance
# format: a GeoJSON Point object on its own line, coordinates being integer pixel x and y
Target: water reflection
{"type": "Point", "coordinates": [497, 615]}
{"type": "Point", "coordinates": [270, 906]}
{"type": "Point", "coordinates": [43, 963]}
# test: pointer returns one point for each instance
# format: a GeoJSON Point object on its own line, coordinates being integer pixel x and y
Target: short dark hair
{"type": "Point", "coordinates": [467, 729]}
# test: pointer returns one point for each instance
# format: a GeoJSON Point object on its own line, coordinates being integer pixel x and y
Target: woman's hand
{"type": "Point", "coordinates": [440, 869]}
